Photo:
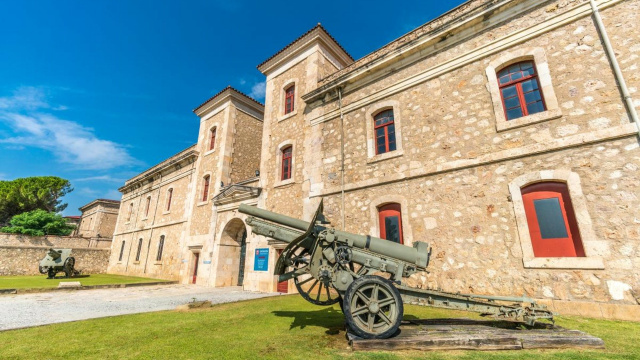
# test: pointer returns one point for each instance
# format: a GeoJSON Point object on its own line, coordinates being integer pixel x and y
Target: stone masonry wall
{"type": "Point", "coordinates": [24, 260]}
{"type": "Point", "coordinates": [245, 159]}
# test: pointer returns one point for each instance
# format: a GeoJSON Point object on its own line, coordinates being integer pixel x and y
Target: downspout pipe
{"type": "Point", "coordinates": [341, 157]}
{"type": "Point", "coordinates": [615, 65]}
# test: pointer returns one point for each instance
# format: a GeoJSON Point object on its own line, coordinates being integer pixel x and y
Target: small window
{"type": "Point", "coordinates": [289, 96]}
{"type": "Point", "coordinates": [139, 250]}
{"type": "Point", "coordinates": [121, 251]}
{"type": "Point", "coordinates": [391, 223]}
{"type": "Point", "coordinates": [287, 154]}
{"type": "Point", "coordinates": [146, 209]}
{"type": "Point", "coordinates": [385, 132]}
{"type": "Point", "coordinates": [205, 188]}
{"type": "Point", "coordinates": [212, 139]}
{"type": "Point", "coordinates": [169, 195]}
{"type": "Point", "coordinates": [551, 220]}
{"type": "Point", "coordinates": [130, 211]}
{"type": "Point", "coordinates": [520, 90]}
{"type": "Point", "coordinates": [160, 246]}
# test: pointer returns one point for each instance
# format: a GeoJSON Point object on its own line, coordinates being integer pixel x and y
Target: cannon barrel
{"type": "Point", "coordinates": [54, 254]}
{"type": "Point", "coordinates": [418, 255]}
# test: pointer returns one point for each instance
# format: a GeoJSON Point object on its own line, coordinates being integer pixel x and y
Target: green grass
{"type": "Point", "coordinates": [41, 281]}
{"type": "Point", "coordinates": [280, 328]}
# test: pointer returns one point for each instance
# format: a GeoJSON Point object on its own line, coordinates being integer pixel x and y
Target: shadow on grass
{"type": "Point", "coordinates": [329, 318]}
{"type": "Point", "coordinates": [69, 278]}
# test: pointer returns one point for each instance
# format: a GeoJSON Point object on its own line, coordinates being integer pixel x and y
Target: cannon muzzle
{"type": "Point", "coordinates": [54, 254]}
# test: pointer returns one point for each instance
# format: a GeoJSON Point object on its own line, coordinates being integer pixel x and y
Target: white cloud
{"type": "Point", "coordinates": [113, 195]}
{"type": "Point", "coordinates": [69, 141]}
{"type": "Point", "coordinates": [103, 178]}
{"type": "Point", "coordinates": [258, 90]}
{"type": "Point", "coordinates": [3, 176]}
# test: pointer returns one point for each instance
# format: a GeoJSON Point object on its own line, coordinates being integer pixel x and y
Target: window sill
{"type": "Point", "coordinates": [202, 203]}
{"type": "Point", "coordinates": [502, 124]}
{"type": "Point", "coordinates": [592, 263]}
{"type": "Point", "coordinates": [166, 212]}
{"type": "Point", "coordinates": [210, 151]}
{"type": "Point", "coordinates": [157, 262]}
{"type": "Point", "coordinates": [284, 183]}
{"type": "Point", "coordinates": [385, 156]}
{"type": "Point", "coordinates": [285, 117]}
{"type": "Point", "coordinates": [136, 263]}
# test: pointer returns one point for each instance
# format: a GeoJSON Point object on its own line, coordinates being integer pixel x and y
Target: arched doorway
{"type": "Point", "coordinates": [232, 253]}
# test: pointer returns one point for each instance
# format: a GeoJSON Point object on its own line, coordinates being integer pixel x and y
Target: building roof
{"type": "Point", "coordinates": [182, 155]}
{"type": "Point", "coordinates": [107, 202]}
{"type": "Point", "coordinates": [317, 31]}
{"type": "Point", "coordinates": [74, 217]}
{"type": "Point", "coordinates": [226, 91]}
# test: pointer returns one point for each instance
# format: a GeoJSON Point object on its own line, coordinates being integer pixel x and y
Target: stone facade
{"type": "Point", "coordinates": [459, 165]}
{"type": "Point", "coordinates": [98, 221]}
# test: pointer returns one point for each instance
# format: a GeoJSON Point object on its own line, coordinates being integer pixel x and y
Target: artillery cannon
{"type": "Point", "coordinates": [330, 266]}
{"type": "Point", "coordinates": [58, 260]}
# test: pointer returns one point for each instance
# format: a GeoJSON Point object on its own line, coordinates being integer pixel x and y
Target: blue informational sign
{"type": "Point", "coordinates": [261, 261]}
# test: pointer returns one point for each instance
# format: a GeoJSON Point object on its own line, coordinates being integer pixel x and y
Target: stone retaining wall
{"type": "Point", "coordinates": [24, 260]}
{"type": "Point", "coordinates": [54, 241]}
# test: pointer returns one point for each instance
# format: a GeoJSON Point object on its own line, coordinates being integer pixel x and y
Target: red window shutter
{"type": "Point", "coordinates": [551, 220]}
{"type": "Point", "coordinates": [289, 99]}
{"type": "Point", "coordinates": [212, 141]}
{"type": "Point", "coordinates": [384, 132]}
{"type": "Point", "coordinates": [205, 191]}
{"type": "Point", "coordinates": [520, 90]}
{"type": "Point", "coordinates": [287, 155]}
{"type": "Point", "coordinates": [390, 219]}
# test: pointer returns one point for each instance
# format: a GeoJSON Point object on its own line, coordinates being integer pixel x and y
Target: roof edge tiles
{"type": "Point", "coordinates": [317, 31]}
{"type": "Point", "coordinates": [228, 91]}
{"type": "Point", "coordinates": [98, 201]}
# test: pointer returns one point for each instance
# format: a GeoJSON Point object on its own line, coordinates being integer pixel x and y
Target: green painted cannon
{"type": "Point", "coordinates": [58, 260]}
{"type": "Point", "coordinates": [330, 266]}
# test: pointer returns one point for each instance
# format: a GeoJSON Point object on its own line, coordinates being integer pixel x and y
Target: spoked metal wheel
{"type": "Point", "coordinates": [373, 307]}
{"type": "Point", "coordinates": [68, 266]}
{"type": "Point", "coordinates": [313, 290]}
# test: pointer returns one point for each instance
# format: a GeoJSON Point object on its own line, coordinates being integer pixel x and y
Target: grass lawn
{"type": "Point", "coordinates": [41, 281]}
{"type": "Point", "coordinates": [285, 327]}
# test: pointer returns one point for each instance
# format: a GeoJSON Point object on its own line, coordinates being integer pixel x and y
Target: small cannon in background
{"type": "Point", "coordinates": [322, 262]}
{"type": "Point", "coordinates": [58, 260]}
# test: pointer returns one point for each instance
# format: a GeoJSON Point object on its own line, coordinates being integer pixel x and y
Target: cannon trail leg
{"type": "Point", "coordinates": [373, 307]}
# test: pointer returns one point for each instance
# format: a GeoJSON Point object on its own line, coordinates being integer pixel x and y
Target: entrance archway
{"type": "Point", "coordinates": [232, 253]}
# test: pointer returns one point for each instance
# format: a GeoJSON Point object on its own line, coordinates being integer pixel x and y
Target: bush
{"type": "Point", "coordinates": [38, 223]}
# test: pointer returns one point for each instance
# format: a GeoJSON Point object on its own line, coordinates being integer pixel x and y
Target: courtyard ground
{"type": "Point", "coordinates": [41, 281]}
{"type": "Point", "coordinates": [284, 327]}
{"type": "Point", "coordinates": [25, 310]}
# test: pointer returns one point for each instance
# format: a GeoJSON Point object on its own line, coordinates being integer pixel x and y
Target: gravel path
{"type": "Point", "coordinates": [28, 310]}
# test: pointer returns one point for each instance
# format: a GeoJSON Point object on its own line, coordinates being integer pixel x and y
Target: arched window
{"type": "Point", "coordinates": [212, 138]}
{"type": "Point", "coordinates": [520, 90]}
{"type": "Point", "coordinates": [287, 154]}
{"type": "Point", "coordinates": [139, 250]}
{"type": "Point", "coordinates": [551, 220]}
{"type": "Point", "coordinates": [391, 222]}
{"type": "Point", "coordinates": [160, 246]}
{"type": "Point", "coordinates": [385, 132]}
{"type": "Point", "coordinates": [130, 211]}
{"type": "Point", "coordinates": [169, 195]}
{"type": "Point", "coordinates": [146, 209]}
{"type": "Point", "coordinates": [289, 102]}
{"type": "Point", "coordinates": [121, 251]}
{"type": "Point", "coordinates": [205, 188]}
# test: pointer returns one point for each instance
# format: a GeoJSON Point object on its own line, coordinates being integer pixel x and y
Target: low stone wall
{"type": "Point", "coordinates": [54, 241]}
{"type": "Point", "coordinates": [24, 260]}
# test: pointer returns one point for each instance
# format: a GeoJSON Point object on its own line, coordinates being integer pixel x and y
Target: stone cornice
{"type": "Point", "coordinates": [187, 156]}
{"type": "Point", "coordinates": [103, 202]}
{"type": "Point", "coordinates": [230, 94]}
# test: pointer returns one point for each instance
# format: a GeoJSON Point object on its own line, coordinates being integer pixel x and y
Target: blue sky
{"type": "Point", "coordinates": [97, 91]}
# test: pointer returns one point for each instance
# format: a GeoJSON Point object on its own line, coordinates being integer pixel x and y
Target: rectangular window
{"type": "Point", "coordinates": [121, 252]}
{"type": "Point", "coordinates": [160, 246]}
{"type": "Point", "coordinates": [385, 132]}
{"type": "Point", "coordinates": [289, 99]}
{"type": "Point", "coordinates": [169, 195]}
{"type": "Point", "coordinates": [146, 209]}
{"type": "Point", "coordinates": [520, 90]}
{"type": "Point", "coordinates": [390, 219]}
{"type": "Point", "coordinates": [287, 157]}
{"type": "Point", "coordinates": [139, 250]}
{"type": "Point", "coordinates": [205, 188]}
{"type": "Point", "coordinates": [212, 140]}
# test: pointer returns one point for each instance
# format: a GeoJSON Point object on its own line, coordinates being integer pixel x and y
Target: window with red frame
{"type": "Point", "coordinates": [287, 156]}
{"type": "Point", "coordinates": [385, 132]}
{"type": "Point", "coordinates": [520, 90]}
{"type": "Point", "coordinates": [391, 223]}
{"type": "Point", "coordinates": [212, 139]}
{"type": "Point", "coordinates": [289, 102]}
{"type": "Point", "coordinates": [551, 220]}
{"type": "Point", "coordinates": [169, 196]}
{"type": "Point", "coordinates": [205, 188]}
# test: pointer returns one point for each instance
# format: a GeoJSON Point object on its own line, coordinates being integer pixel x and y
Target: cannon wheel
{"type": "Point", "coordinates": [68, 266]}
{"type": "Point", "coordinates": [318, 293]}
{"type": "Point", "coordinates": [43, 269]}
{"type": "Point", "coordinates": [51, 274]}
{"type": "Point", "coordinates": [373, 307]}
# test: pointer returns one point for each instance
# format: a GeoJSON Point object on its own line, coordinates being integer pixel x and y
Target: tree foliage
{"type": "Point", "coordinates": [32, 193]}
{"type": "Point", "coordinates": [38, 223]}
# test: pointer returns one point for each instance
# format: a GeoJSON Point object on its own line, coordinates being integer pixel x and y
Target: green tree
{"type": "Point", "coordinates": [28, 194]}
{"type": "Point", "coordinates": [38, 223]}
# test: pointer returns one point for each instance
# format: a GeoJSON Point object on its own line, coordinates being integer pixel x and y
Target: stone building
{"type": "Point", "coordinates": [98, 219]}
{"type": "Point", "coordinates": [502, 133]}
